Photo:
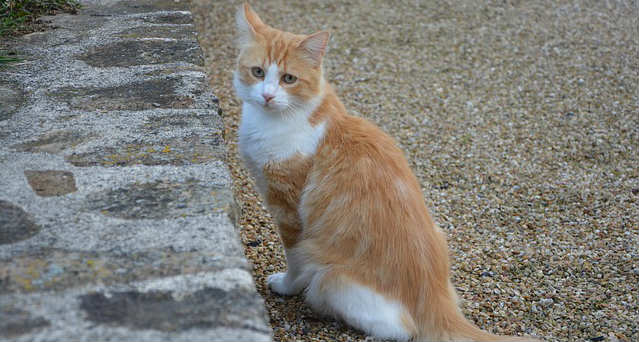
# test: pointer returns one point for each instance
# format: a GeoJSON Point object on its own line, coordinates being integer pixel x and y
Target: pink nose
{"type": "Point", "coordinates": [268, 97]}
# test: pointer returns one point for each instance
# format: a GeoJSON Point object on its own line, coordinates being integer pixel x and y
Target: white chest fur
{"type": "Point", "coordinates": [267, 137]}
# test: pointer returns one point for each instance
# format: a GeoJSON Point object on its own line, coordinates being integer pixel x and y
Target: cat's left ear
{"type": "Point", "coordinates": [314, 46]}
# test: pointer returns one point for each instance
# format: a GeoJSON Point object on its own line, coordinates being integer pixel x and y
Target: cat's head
{"type": "Point", "coordinates": [277, 70]}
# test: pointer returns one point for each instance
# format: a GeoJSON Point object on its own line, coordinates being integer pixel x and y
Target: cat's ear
{"type": "Point", "coordinates": [314, 46]}
{"type": "Point", "coordinates": [248, 24]}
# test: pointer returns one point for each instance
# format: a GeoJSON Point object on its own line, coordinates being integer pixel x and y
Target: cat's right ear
{"type": "Point", "coordinates": [248, 24]}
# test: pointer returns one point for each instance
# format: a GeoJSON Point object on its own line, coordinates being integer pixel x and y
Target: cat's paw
{"type": "Point", "coordinates": [278, 283]}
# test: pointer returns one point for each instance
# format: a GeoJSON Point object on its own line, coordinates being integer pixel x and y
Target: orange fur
{"type": "Point", "coordinates": [286, 180]}
{"type": "Point", "coordinates": [364, 217]}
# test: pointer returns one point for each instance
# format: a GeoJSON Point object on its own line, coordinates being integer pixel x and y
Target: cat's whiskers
{"type": "Point", "coordinates": [291, 110]}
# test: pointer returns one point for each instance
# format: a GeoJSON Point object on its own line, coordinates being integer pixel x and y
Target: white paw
{"type": "Point", "coordinates": [278, 283]}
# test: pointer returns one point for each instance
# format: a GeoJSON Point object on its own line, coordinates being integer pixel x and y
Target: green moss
{"type": "Point", "coordinates": [21, 16]}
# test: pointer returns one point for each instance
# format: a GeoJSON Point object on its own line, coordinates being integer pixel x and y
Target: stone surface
{"type": "Point", "coordinates": [52, 142]}
{"type": "Point", "coordinates": [15, 322]}
{"type": "Point", "coordinates": [162, 200]}
{"type": "Point", "coordinates": [15, 224]}
{"type": "Point", "coordinates": [67, 318]}
{"type": "Point", "coordinates": [47, 269]}
{"type": "Point", "coordinates": [11, 97]}
{"type": "Point", "coordinates": [159, 124]}
{"type": "Point", "coordinates": [157, 32]}
{"type": "Point", "coordinates": [141, 6]}
{"type": "Point", "coordinates": [148, 94]}
{"type": "Point", "coordinates": [170, 18]}
{"type": "Point", "coordinates": [116, 214]}
{"type": "Point", "coordinates": [160, 310]}
{"type": "Point", "coordinates": [51, 182]}
{"type": "Point", "coordinates": [140, 52]}
{"type": "Point", "coordinates": [176, 151]}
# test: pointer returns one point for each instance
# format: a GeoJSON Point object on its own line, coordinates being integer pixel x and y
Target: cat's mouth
{"type": "Point", "coordinates": [272, 106]}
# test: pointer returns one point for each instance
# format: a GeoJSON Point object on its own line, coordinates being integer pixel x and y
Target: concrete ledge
{"type": "Point", "coordinates": [116, 209]}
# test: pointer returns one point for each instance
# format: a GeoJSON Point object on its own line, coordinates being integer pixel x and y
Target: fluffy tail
{"type": "Point", "coordinates": [453, 326]}
{"type": "Point", "coordinates": [464, 330]}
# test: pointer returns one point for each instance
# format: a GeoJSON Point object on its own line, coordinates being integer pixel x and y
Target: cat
{"type": "Point", "coordinates": [358, 237]}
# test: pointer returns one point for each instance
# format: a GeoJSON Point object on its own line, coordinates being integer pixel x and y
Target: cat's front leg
{"type": "Point", "coordinates": [291, 282]}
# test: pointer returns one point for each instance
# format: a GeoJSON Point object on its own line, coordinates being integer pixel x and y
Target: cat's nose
{"type": "Point", "coordinates": [267, 97]}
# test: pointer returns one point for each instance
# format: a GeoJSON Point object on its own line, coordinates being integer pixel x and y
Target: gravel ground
{"type": "Point", "coordinates": [521, 121]}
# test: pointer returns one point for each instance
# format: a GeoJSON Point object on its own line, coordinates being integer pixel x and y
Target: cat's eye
{"type": "Point", "coordinates": [289, 79]}
{"type": "Point", "coordinates": [257, 72]}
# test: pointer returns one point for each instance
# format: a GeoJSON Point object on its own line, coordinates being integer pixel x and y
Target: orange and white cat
{"type": "Point", "coordinates": [358, 237]}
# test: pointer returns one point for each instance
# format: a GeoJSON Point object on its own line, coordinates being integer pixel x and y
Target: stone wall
{"type": "Point", "coordinates": [116, 213]}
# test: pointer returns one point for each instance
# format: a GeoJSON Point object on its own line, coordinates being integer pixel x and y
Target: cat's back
{"type": "Point", "coordinates": [362, 204]}
{"type": "Point", "coordinates": [363, 148]}
{"type": "Point", "coordinates": [360, 169]}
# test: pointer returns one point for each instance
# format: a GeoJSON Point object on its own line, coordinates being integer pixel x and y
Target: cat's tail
{"type": "Point", "coordinates": [464, 330]}
{"type": "Point", "coordinates": [451, 325]}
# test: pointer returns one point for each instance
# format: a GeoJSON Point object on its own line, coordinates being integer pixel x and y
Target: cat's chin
{"type": "Point", "coordinates": [274, 109]}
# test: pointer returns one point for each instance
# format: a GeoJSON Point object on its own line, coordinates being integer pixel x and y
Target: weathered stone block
{"type": "Point", "coordinates": [162, 200]}
{"type": "Point", "coordinates": [142, 6]}
{"type": "Point", "coordinates": [52, 142]}
{"type": "Point", "coordinates": [15, 223]}
{"type": "Point", "coordinates": [161, 123]}
{"type": "Point", "coordinates": [51, 182]}
{"type": "Point", "coordinates": [159, 310]}
{"type": "Point", "coordinates": [175, 32]}
{"type": "Point", "coordinates": [11, 98]}
{"type": "Point", "coordinates": [141, 52]}
{"type": "Point", "coordinates": [176, 151]}
{"type": "Point", "coordinates": [15, 322]}
{"type": "Point", "coordinates": [46, 269]}
{"type": "Point", "coordinates": [156, 93]}
{"type": "Point", "coordinates": [170, 18]}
